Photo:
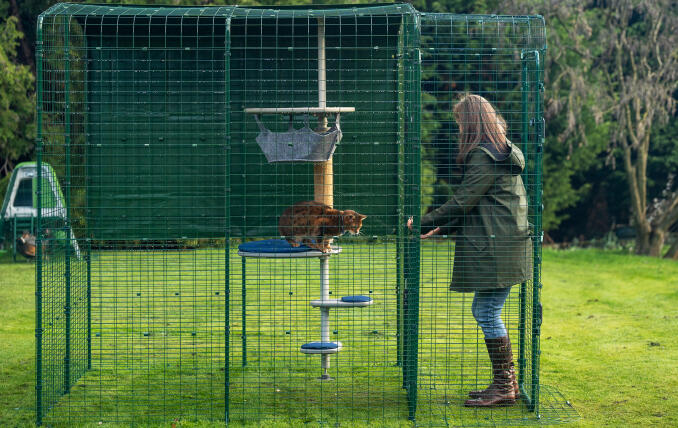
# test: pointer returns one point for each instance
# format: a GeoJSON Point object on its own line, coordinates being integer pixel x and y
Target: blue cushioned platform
{"type": "Point", "coordinates": [272, 246]}
{"type": "Point", "coordinates": [320, 345]}
{"type": "Point", "coordinates": [355, 299]}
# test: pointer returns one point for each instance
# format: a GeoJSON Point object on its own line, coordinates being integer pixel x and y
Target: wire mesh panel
{"type": "Point", "coordinates": [190, 275]}
{"type": "Point", "coordinates": [288, 67]}
{"type": "Point", "coordinates": [497, 58]}
{"type": "Point", "coordinates": [132, 286]}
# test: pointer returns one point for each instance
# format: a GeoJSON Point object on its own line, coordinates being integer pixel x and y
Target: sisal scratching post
{"type": "Point", "coordinates": [323, 182]}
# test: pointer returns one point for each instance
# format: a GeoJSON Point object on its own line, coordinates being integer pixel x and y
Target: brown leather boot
{"type": "Point", "coordinates": [501, 391]}
{"type": "Point", "coordinates": [492, 346]}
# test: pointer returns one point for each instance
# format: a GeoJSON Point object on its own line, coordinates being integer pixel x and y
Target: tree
{"type": "Point", "coordinates": [640, 62]}
{"type": "Point", "coordinates": [626, 60]}
{"type": "Point", "coordinates": [662, 162]}
{"type": "Point", "coordinates": [17, 104]}
{"type": "Point", "coordinates": [23, 41]}
{"type": "Point", "coordinates": [577, 132]}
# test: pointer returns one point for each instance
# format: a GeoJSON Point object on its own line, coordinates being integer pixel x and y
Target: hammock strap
{"type": "Point", "coordinates": [262, 128]}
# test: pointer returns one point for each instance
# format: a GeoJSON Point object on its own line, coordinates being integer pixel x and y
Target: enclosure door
{"type": "Point", "coordinates": [493, 57]}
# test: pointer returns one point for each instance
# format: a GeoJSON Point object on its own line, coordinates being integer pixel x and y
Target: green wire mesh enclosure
{"type": "Point", "coordinates": [146, 115]}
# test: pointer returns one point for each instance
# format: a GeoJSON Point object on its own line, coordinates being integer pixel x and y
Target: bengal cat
{"type": "Point", "coordinates": [314, 224]}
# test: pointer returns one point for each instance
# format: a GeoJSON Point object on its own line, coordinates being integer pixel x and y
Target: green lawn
{"type": "Point", "coordinates": [606, 344]}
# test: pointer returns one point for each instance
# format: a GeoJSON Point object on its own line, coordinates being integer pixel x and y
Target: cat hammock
{"type": "Point", "coordinates": [298, 145]}
{"type": "Point", "coordinates": [306, 145]}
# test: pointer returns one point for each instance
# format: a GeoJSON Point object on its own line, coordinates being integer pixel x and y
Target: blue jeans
{"type": "Point", "coordinates": [486, 308]}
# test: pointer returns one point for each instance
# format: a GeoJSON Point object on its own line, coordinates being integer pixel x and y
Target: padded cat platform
{"type": "Point", "coordinates": [356, 299]}
{"type": "Point", "coordinates": [344, 302]}
{"type": "Point", "coordinates": [321, 347]}
{"type": "Point", "coordinates": [280, 248]}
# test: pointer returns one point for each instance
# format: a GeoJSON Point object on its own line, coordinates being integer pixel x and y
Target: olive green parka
{"type": "Point", "coordinates": [489, 212]}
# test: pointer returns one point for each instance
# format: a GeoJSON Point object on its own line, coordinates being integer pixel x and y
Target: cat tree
{"type": "Point", "coordinates": [323, 180]}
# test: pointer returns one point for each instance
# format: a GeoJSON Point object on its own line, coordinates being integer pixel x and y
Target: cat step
{"type": "Point", "coordinates": [321, 347]}
{"type": "Point", "coordinates": [344, 302]}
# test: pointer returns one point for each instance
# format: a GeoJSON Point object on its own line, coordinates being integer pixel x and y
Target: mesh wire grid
{"type": "Point", "coordinates": [158, 318]}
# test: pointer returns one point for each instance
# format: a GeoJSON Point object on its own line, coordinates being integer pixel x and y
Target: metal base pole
{"type": "Point", "coordinates": [325, 313]}
{"type": "Point", "coordinates": [244, 312]}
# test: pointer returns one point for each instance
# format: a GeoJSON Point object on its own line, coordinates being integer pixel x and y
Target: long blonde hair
{"type": "Point", "coordinates": [478, 122]}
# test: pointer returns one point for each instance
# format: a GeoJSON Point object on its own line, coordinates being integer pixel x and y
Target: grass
{"type": "Point", "coordinates": [609, 337]}
{"type": "Point", "coordinates": [17, 343]}
{"type": "Point", "coordinates": [610, 321]}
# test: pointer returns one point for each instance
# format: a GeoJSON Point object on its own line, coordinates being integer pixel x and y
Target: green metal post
{"type": "Point", "coordinates": [88, 259]}
{"type": "Point", "coordinates": [536, 308]}
{"type": "Point", "coordinates": [524, 118]}
{"type": "Point", "coordinates": [413, 202]}
{"type": "Point", "coordinates": [403, 182]}
{"type": "Point", "coordinates": [67, 148]}
{"type": "Point", "coordinates": [88, 240]}
{"type": "Point", "coordinates": [227, 218]}
{"type": "Point", "coordinates": [401, 234]}
{"type": "Point", "coordinates": [38, 263]}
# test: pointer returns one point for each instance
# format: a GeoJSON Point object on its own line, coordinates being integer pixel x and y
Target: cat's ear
{"type": "Point", "coordinates": [362, 217]}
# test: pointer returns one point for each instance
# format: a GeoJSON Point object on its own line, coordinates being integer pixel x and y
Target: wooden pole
{"type": "Point", "coordinates": [322, 171]}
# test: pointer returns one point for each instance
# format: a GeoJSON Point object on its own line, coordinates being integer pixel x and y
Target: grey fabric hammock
{"type": "Point", "coordinates": [298, 145]}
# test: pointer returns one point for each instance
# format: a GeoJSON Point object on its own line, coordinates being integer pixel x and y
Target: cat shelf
{"type": "Point", "coordinates": [315, 111]}
{"type": "Point", "coordinates": [342, 303]}
{"type": "Point", "coordinates": [321, 348]}
{"type": "Point", "coordinates": [280, 249]}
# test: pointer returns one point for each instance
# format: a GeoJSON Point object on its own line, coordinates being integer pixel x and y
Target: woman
{"type": "Point", "coordinates": [493, 249]}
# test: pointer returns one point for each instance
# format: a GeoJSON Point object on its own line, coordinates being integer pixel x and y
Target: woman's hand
{"type": "Point", "coordinates": [426, 235]}
{"type": "Point", "coordinates": [431, 233]}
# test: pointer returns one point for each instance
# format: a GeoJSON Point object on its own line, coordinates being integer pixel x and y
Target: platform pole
{"type": "Point", "coordinates": [322, 74]}
{"type": "Point", "coordinates": [325, 312]}
{"type": "Point", "coordinates": [323, 193]}
{"type": "Point", "coordinates": [244, 311]}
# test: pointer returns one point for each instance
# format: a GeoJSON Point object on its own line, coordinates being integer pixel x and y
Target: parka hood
{"type": "Point", "coordinates": [514, 159]}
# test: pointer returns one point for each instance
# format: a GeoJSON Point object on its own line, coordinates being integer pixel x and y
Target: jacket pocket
{"type": "Point", "coordinates": [478, 243]}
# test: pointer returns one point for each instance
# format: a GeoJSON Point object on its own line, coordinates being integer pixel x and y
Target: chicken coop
{"type": "Point", "coordinates": [179, 135]}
